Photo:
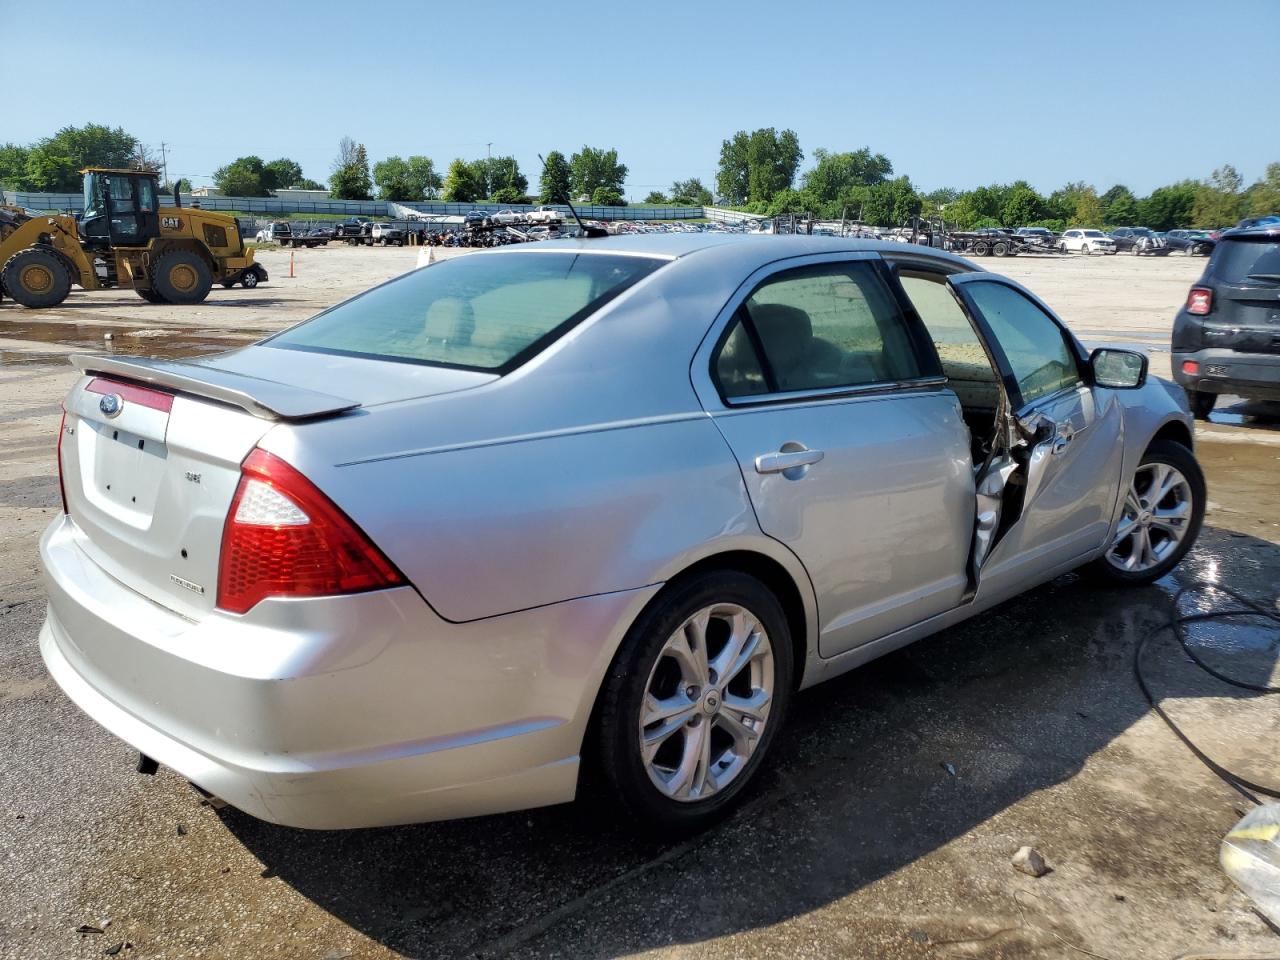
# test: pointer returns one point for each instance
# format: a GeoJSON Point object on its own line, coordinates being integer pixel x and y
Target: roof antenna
{"type": "Point", "coordinates": [590, 232]}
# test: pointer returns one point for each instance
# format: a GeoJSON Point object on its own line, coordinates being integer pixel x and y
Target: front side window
{"type": "Point", "coordinates": [486, 312]}
{"type": "Point", "coordinates": [825, 326]}
{"type": "Point", "coordinates": [1034, 345]}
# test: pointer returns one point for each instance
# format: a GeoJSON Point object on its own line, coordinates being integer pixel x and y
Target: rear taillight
{"type": "Point", "coordinates": [62, 484]}
{"type": "Point", "coordinates": [1190, 367]}
{"type": "Point", "coordinates": [1199, 301]}
{"type": "Point", "coordinates": [284, 538]}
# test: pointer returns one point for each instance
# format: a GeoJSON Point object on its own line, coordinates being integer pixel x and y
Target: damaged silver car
{"type": "Point", "coordinates": [598, 505]}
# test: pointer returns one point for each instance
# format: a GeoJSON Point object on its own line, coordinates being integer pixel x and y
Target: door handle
{"type": "Point", "coordinates": [786, 460]}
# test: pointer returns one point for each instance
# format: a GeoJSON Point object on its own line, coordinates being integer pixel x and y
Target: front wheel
{"type": "Point", "coordinates": [1201, 403]}
{"type": "Point", "coordinates": [694, 699]}
{"type": "Point", "coordinates": [250, 279]}
{"type": "Point", "coordinates": [1086, 250]}
{"type": "Point", "coordinates": [1161, 518]}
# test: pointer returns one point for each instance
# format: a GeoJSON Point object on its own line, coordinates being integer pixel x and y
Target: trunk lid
{"type": "Point", "coordinates": [151, 451]}
{"type": "Point", "coordinates": [1246, 309]}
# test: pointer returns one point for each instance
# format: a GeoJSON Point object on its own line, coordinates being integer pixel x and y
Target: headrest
{"type": "Point", "coordinates": [785, 332]}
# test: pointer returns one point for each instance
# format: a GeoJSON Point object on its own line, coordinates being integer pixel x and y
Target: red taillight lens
{"type": "Point", "coordinates": [284, 538]}
{"type": "Point", "coordinates": [1199, 301]}
{"type": "Point", "coordinates": [62, 484]}
{"type": "Point", "coordinates": [1190, 367]}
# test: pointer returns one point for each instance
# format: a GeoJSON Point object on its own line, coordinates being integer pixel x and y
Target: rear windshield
{"type": "Point", "coordinates": [488, 312]}
{"type": "Point", "coordinates": [1240, 260]}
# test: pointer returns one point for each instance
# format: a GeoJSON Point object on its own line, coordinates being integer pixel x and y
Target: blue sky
{"type": "Point", "coordinates": [956, 94]}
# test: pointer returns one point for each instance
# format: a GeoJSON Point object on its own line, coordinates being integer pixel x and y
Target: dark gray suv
{"type": "Point", "coordinates": [1226, 339]}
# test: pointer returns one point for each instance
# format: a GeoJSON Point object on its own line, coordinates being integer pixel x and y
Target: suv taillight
{"type": "Point", "coordinates": [62, 484]}
{"type": "Point", "coordinates": [284, 538]}
{"type": "Point", "coordinates": [1200, 301]}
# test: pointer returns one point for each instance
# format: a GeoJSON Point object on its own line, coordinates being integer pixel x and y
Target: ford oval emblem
{"type": "Point", "coordinates": [111, 404]}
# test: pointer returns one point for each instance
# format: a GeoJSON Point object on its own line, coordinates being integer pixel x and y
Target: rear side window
{"type": "Point", "coordinates": [488, 312]}
{"type": "Point", "coordinates": [1237, 260]}
{"type": "Point", "coordinates": [820, 327]}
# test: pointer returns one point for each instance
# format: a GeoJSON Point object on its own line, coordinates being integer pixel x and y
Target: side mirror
{"type": "Point", "coordinates": [1118, 369]}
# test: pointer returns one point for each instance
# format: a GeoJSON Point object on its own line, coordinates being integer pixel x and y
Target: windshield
{"type": "Point", "coordinates": [1247, 260]}
{"type": "Point", "coordinates": [488, 312]}
{"type": "Point", "coordinates": [1092, 233]}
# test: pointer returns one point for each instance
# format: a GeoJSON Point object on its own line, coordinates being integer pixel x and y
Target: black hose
{"type": "Point", "coordinates": [1178, 625]}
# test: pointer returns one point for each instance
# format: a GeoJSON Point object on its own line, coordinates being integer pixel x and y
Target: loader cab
{"type": "Point", "coordinates": [121, 207]}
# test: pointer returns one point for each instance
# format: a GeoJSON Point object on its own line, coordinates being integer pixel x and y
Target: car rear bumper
{"type": "Point", "coordinates": [335, 712]}
{"type": "Point", "coordinates": [1254, 376]}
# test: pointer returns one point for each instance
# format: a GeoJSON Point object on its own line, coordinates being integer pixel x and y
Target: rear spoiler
{"type": "Point", "coordinates": [262, 398]}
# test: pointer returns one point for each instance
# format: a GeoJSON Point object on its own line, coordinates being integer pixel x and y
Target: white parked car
{"type": "Point", "coordinates": [1086, 242]}
{"type": "Point", "coordinates": [545, 215]}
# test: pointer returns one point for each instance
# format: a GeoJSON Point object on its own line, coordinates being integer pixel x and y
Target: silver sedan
{"type": "Point", "coordinates": [596, 505]}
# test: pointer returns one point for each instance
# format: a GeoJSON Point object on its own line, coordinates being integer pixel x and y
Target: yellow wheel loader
{"type": "Point", "coordinates": [124, 238]}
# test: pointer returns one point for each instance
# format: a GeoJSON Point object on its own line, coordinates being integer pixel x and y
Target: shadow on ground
{"type": "Point", "coordinates": [1014, 701]}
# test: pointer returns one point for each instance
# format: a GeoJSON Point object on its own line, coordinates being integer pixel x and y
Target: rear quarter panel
{"type": "Point", "coordinates": [490, 529]}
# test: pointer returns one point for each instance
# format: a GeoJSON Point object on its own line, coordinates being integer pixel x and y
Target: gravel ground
{"type": "Point", "coordinates": [884, 830]}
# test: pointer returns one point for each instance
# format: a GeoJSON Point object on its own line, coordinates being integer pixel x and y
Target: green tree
{"type": "Point", "coordinates": [1119, 206]}
{"type": "Point", "coordinates": [508, 195]}
{"type": "Point", "coordinates": [412, 179]}
{"type": "Point", "coordinates": [1062, 202]}
{"type": "Point", "coordinates": [788, 201]}
{"type": "Point", "coordinates": [691, 193]}
{"type": "Point", "coordinates": [607, 197]}
{"type": "Point", "coordinates": [656, 197]}
{"type": "Point", "coordinates": [460, 183]}
{"type": "Point", "coordinates": [1168, 208]}
{"type": "Point", "coordinates": [556, 181]}
{"type": "Point", "coordinates": [1022, 206]}
{"type": "Point", "coordinates": [242, 177]}
{"type": "Point", "coordinates": [933, 202]}
{"type": "Point", "coordinates": [497, 173]}
{"type": "Point", "coordinates": [350, 179]}
{"type": "Point", "coordinates": [835, 177]}
{"type": "Point", "coordinates": [1262, 198]}
{"type": "Point", "coordinates": [592, 168]}
{"type": "Point", "coordinates": [281, 173]}
{"type": "Point", "coordinates": [306, 183]}
{"type": "Point", "coordinates": [1088, 212]}
{"type": "Point", "coordinates": [1218, 200]}
{"type": "Point", "coordinates": [755, 166]}
{"type": "Point", "coordinates": [13, 165]}
{"type": "Point", "coordinates": [184, 186]}
{"type": "Point", "coordinates": [54, 163]}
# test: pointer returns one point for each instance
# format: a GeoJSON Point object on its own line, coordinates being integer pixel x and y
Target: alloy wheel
{"type": "Point", "coordinates": [706, 702]}
{"type": "Point", "coordinates": [1156, 516]}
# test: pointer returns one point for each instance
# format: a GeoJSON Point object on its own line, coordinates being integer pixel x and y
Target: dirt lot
{"type": "Point", "coordinates": [884, 830]}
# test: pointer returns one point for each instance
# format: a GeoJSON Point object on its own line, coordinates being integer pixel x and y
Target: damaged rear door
{"type": "Point", "coordinates": [1046, 493]}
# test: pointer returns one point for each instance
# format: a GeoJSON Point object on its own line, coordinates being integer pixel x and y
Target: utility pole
{"type": "Point", "coordinates": [164, 163]}
{"type": "Point", "coordinates": [488, 149]}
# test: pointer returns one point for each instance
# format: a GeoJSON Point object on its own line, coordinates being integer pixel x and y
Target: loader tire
{"type": "Point", "coordinates": [181, 276]}
{"type": "Point", "coordinates": [36, 277]}
{"type": "Point", "coordinates": [149, 295]}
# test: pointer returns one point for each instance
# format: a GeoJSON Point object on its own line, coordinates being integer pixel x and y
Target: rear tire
{"type": "Point", "coordinates": [1201, 403]}
{"type": "Point", "coordinates": [36, 277]}
{"type": "Point", "coordinates": [182, 277]}
{"type": "Point", "coordinates": [699, 784]}
{"type": "Point", "coordinates": [148, 295]}
{"type": "Point", "coordinates": [1182, 508]}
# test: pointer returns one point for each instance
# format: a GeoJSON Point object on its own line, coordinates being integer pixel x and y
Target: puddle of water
{"type": "Point", "coordinates": [166, 344]}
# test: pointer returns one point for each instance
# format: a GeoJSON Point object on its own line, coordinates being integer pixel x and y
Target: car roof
{"type": "Point", "coordinates": [752, 250]}
{"type": "Point", "coordinates": [1268, 231]}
